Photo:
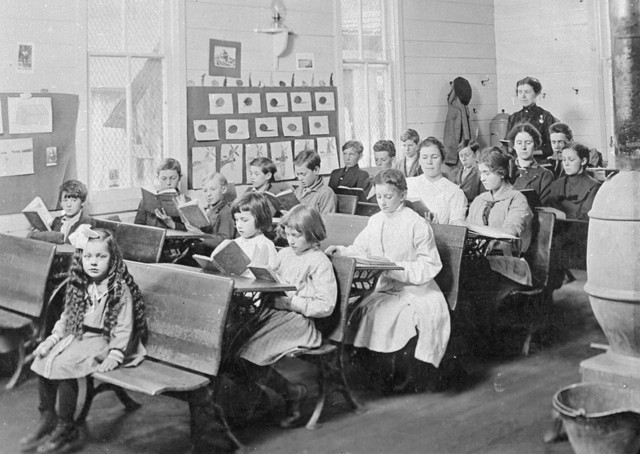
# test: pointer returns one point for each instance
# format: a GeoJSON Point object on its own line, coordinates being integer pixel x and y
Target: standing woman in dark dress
{"type": "Point", "coordinates": [527, 90]}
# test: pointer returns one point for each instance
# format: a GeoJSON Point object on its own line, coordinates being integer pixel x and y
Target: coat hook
{"type": "Point", "coordinates": [484, 82]}
{"type": "Point", "coordinates": [475, 111]}
{"type": "Point", "coordinates": [575, 89]}
{"type": "Point", "coordinates": [544, 95]}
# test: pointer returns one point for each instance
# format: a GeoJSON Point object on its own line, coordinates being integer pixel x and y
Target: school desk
{"type": "Point", "coordinates": [241, 284]}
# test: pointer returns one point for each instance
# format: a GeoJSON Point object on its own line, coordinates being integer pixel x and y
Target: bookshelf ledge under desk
{"type": "Point", "coordinates": [280, 41]}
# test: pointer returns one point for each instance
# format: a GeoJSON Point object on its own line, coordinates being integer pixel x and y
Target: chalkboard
{"type": "Point", "coordinates": [16, 191]}
{"type": "Point", "coordinates": [229, 126]}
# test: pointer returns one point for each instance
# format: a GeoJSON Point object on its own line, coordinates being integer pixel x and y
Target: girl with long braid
{"type": "Point", "coordinates": [101, 328]}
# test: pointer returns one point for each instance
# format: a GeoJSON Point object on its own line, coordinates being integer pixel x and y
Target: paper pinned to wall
{"type": "Point", "coordinates": [292, 126]}
{"type": "Point", "coordinates": [205, 130]}
{"type": "Point", "coordinates": [30, 115]}
{"type": "Point", "coordinates": [318, 125]}
{"type": "Point", "coordinates": [203, 160]}
{"type": "Point", "coordinates": [327, 152]}
{"type": "Point", "coordinates": [16, 157]}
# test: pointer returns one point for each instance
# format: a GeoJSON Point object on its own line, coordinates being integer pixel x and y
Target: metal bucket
{"type": "Point", "coordinates": [600, 418]}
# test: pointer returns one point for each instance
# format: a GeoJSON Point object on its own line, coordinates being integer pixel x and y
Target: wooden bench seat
{"type": "Point", "coordinates": [25, 265]}
{"type": "Point", "coordinates": [186, 315]}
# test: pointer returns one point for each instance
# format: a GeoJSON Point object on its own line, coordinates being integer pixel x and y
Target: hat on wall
{"type": "Point", "coordinates": [462, 90]}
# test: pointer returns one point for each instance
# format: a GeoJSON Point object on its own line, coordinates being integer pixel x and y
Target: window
{"type": "Point", "coordinates": [367, 72]}
{"type": "Point", "coordinates": [126, 74]}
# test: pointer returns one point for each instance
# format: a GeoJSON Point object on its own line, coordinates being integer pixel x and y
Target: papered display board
{"type": "Point", "coordinates": [230, 126]}
{"type": "Point", "coordinates": [37, 147]}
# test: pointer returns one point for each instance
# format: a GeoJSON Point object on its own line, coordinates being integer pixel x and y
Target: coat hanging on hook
{"type": "Point", "coordinates": [457, 127]}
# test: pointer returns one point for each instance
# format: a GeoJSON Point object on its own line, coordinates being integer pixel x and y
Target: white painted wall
{"type": "Point", "coordinates": [557, 42]}
{"type": "Point", "coordinates": [443, 40]}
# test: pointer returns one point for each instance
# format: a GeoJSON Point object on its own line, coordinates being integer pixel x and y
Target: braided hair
{"type": "Point", "coordinates": [118, 277]}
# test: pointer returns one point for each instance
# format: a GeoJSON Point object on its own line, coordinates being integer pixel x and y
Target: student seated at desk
{"type": "Point", "coordinates": [505, 209]}
{"type": "Point", "coordinates": [312, 190]}
{"type": "Point", "coordinates": [71, 197]}
{"type": "Point", "coordinates": [409, 165]}
{"type": "Point", "coordinates": [574, 192]}
{"type": "Point", "coordinates": [286, 323]}
{"type": "Point", "coordinates": [444, 199]}
{"type": "Point", "coordinates": [168, 173]}
{"type": "Point", "coordinates": [561, 136]}
{"type": "Point", "coordinates": [221, 225]}
{"type": "Point", "coordinates": [253, 217]}
{"type": "Point", "coordinates": [262, 172]}
{"type": "Point", "coordinates": [384, 154]}
{"type": "Point", "coordinates": [407, 304]}
{"type": "Point", "coordinates": [351, 175]}
{"type": "Point", "coordinates": [527, 173]}
{"type": "Point", "coordinates": [466, 176]}
{"type": "Point", "coordinates": [102, 327]}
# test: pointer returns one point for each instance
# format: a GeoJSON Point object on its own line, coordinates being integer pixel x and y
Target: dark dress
{"type": "Point", "coordinates": [540, 119]}
{"type": "Point", "coordinates": [574, 195]}
{"type": "Point", "coordinates": [470, 185]}
{"type": "Point", "coordinates": [534, 177]}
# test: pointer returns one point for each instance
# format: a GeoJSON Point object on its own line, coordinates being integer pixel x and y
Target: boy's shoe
{"type": "Point", "coordinates": [64, 438]}
{"type": "Point", "coordinates": [298, 393]}
{"type": "Point", "coordinates": [46, 425]}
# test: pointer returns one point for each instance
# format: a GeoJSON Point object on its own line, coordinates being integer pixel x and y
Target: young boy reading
{"type": "Point", "coordinates": [71, 197]}
{"type": "Point", "coordinates": [312, 190]}
{"type": "Point", "coordinates": [351, 175]}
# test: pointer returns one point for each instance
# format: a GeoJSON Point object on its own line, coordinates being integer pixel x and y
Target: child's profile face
{"type": "Point", "coordinates": [71, 204]}
{"type": "Point", "coordinates": [259, 179]}
{"type": "Point", "coordinates": [96, 260]}
{"type": "Point", "coordinates": [571, 162]}
{"type": "Point", "coordinates": [306, 176]}
{"type": "Point", "coordinates": [467, 157]}
{"type": "Point", "coordinates": [168, 179]}
{"type": "Point", "coordinates": [389, 197]}
{"type": "Point", "coordinates": [297, 241]}
{"type": "Point", "coordinates": [524, 144]}
{"type": "Point", "coordinates": [351, 157]}
{"type": "Point", "coordinates": [246, 224]}
{"type": "Point", "coordinates": [383, 159]}
{"type": "Point", "coordinates": [214, 191]}
{"type": "Point", "coordinates": [558, 142]}
{"type": "Point", "coordinates": [410, 148]}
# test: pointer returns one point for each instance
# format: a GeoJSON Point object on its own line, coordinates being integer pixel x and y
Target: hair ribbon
{"type": "Point", "coordinates": [82, 235]}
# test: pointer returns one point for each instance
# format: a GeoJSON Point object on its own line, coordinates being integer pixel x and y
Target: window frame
{"type": "Point", "coordinates": [394, 59]}
{"type": "Point", "coordinates": [117, 200]}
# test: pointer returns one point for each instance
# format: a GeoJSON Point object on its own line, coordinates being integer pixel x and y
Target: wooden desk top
{"type": "Point", "coordinates": [182, 234]}
{"type": "Point", "coordinates": [377, 266]}
{"type": "Point", "coordinates": [241, 284]}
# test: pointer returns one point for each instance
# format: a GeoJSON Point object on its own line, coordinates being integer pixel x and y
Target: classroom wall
{"type": "Point", "coordinates": [442, 40]}
{"type": "Point", "coordinates": [311, 22]}
{"type": "Point", "coordinates": [51, 27]}
{"type": "Point", "coordinates": [557, 42]}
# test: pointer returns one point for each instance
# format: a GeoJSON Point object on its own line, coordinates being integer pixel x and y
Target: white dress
{"type": "Point", "coordinates": [259, 249]}
{"type": "Point", "coordinates": [444, 198]}
{"type": "Point", "coordinates": [406, 302]}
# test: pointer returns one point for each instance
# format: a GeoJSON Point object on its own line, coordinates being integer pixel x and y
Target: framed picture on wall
{"type": "Point", "coordinates": [224, 58]}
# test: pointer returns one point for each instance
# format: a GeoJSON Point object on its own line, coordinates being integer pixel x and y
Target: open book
{"type": "Point", "coordinates": [281, 201]}
{"type": "Point", "coordinates": [192, 213]}
{"type": "Point", "coordinates": [373, 261]}
{"type": "Point", "coordinates": [166, 199]}
{"type": "Point", "coordinates": [488, 232]}
{"type": "Point", "coordinates": [358, 192]}
{"type": "Point", "coordinates": [419, 207]}
{"type": "Point", "coordinates": [38, 216]}
{"type": "Point", "coordinates": [227, 258]}
{"type": "Point", "coordinates": [263, 273]}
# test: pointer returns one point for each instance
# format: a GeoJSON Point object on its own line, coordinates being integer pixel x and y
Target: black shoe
{"type": "Point", "coordinates": [46, 425]}
{"type": "Point", "coordinates": [293, 404]}
{"type": "Point", "coordinates": [64, 438]}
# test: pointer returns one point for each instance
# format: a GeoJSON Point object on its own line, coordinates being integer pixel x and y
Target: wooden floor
{"type": "Point", "coordinates": [503, 406]}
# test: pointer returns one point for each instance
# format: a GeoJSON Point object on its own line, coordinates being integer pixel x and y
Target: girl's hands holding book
{"type": "Point", "coordinates": [282, 303]}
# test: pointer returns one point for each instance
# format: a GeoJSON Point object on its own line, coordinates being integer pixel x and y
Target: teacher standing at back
{"type": "Point", "coordinates": [527, 90]}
